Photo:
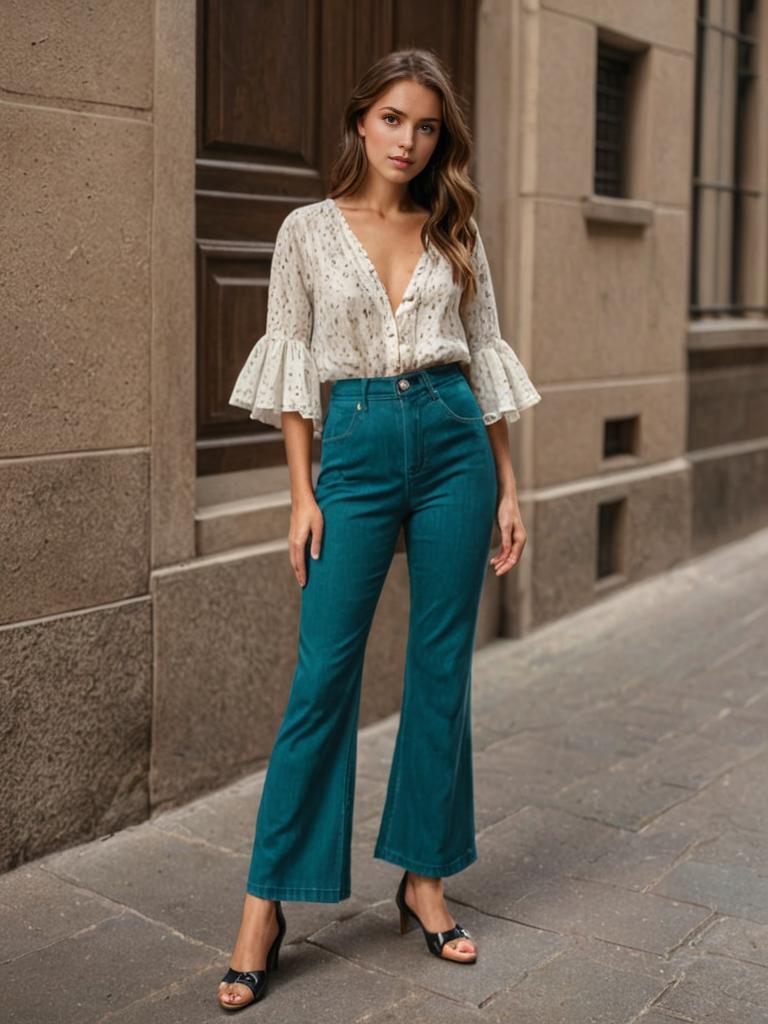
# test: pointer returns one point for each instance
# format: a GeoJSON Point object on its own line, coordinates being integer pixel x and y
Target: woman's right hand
{"type": "Point", "coordinates": [306, 520]}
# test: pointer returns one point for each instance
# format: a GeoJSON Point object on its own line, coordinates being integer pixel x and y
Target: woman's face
{"type": "Point", "coordinates": [403, 121]}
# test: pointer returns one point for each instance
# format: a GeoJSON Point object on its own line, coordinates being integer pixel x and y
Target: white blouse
{"type": "Point", "coordinates": [329, 317]}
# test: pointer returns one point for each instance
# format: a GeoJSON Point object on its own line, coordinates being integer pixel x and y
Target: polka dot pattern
{"type": "Point", "coordinates": [329, 317]}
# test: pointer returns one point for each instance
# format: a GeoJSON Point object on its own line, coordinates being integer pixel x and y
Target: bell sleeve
{"type": "Point", "coordinates": [280, 374]}
{"type": "Point", "coordinates": [497, 377]}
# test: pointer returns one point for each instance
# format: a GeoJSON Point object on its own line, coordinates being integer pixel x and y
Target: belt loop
{"type": "Point", "coordinates": [364, 392]}
{"type": "Point", "coordinates": [426, 377]}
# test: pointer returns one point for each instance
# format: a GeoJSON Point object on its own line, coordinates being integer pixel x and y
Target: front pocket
{"type": "Point", "coordinates": [341, 421]}
{"type": "Point", "coordinates": [458, 401]}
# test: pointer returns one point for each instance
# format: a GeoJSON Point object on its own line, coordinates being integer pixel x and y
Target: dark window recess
{"type": "Point", "coordinates": [613, 65]}
{"type": "Point", "coordinates": [610, 516]}
{"type": "Point", "coordinates": [721, 203]}
{"type": "Point", "coordinates": [620, 436]}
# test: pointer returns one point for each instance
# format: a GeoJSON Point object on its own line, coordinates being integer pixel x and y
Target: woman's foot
{"type": "Point", "coordinates": [259, 928]}
{"type": "Point", "coordinates": [424, 895]}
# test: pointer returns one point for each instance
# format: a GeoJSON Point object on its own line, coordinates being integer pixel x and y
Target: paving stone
{"type": "Point", "coordinates": [738, 677]}
{"type": "Point", "coordinates": [663, 969]}
{"type": "Point", "coordinates": [572, 989]}
{"type": "Point", "coordinates": [633, 860]}
{"type": "Point", "coordinates": [483, 734]}
{"type": "Point", "coordinates": [687, 712]}
{"type": "Point", "coordinates": [519, 853]}
{"type": "Point", "coordinates": [373, 880]}
{"type": "Point", "coordinates": [369, 802]}
{"type": "Point", "coordinates": [735, 846]}
{"type": "Point", "coordinates": [37, 910]}
{"type": "Point", "coordinates": [691, 760]}
{"type": "Point", "coordinates": [374, 756]}
{"type": "Point", "coordinates": [225, 819]}
{"type": "Point", "coordinates": [193, 887]}
{"type": "Point", "coordinates": [630, 793]}
{"type": "Point", "coordinates": [525, 711]}
{"type": "Point", "coordinates": [618, 796]}
{"type": "Point", "coordinates": [736, 799]}
{"type": "Point", "coordinates": [579, 683]}
{"type": "Point", "coordinates": [98, 970]}
{"type": "Point", "coordinates": [577, 907]}
{"type": "Point", "coordinates": [714, 990]}
{"type": "Point", "coordinates": [657, 1018]}
{"type": "Point", "coordinates": [757, 707]}
{"type": "Point", "coordinates": [309, 985]}
{"type": "Point", "coordinates": [196, 888]}
{"type": "Point", "coordinates": [428, 1009]}
{"type": "Point", "coordinates": [495, 798]}
{"type": "Point", "coordinates": [615, 731]}
{"type": "Point", "coordinates": [742, 940]}
{"type": "Point", "coordinates": [535, 769]}
{"type": "Point", "coordinates": [737, 727]}
{"type": "Point", "coordinates": [507, 950]}
{"type": "Point", "coordinates": [727, 888]}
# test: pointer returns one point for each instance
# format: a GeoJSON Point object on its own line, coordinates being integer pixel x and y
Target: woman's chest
{"type": "Point", "coordinates": [346, 284]}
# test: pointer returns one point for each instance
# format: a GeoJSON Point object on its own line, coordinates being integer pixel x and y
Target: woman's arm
{"type": "Point", "coordinates": [280, 383]}
{"type": "Point", "coordinates": [503, 389]}
{"type": "Point", "coordinates": [513, 535]}
{"type": "Point", "coordinates": [306, 517]}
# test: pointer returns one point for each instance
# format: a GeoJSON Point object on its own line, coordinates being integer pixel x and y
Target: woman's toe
{"type": "Point", "coordinates": [464, 948]}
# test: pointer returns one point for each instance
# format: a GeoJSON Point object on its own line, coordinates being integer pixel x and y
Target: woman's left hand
{"type": "Point", "coordinates": [513, 535]}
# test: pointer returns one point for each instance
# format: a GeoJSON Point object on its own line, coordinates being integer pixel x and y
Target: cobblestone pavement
{"type": "Point", "coordinates": [621, 762]}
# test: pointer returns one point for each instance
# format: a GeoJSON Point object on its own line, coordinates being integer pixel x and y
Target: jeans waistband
{"type": "Point", "coordinates": [427, 379]}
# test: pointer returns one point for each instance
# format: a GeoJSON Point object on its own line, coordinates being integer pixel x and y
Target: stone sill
{"type": "Point", "coordinates": [617, 210]}
{"type": "Point", "coordinates": [718, 333]}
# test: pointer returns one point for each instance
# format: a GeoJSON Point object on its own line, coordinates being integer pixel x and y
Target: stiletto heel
{"type": "Point", "coordinates": [435, 940]}
{"type": "Point", "coordinates": [256, 981]}
{"type": "Point", "coordinates": [405, 924]}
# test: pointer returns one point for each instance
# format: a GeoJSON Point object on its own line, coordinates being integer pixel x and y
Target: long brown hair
{"type": "Point", "coordinates": [444, 186]}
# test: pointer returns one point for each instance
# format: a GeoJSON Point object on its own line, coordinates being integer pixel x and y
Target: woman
{"type": "Point", "coordinates": [365, 290]}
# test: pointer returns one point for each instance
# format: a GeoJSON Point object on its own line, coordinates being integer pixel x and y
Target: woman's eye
{"type": "Point", "coordinates": [429, 127]}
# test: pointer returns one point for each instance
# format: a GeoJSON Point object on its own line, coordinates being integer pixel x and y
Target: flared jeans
{"type": "Point", "coordinates": [408, 450]}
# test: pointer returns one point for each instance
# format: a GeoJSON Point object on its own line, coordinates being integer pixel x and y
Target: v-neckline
{"type": "Point", "coordinates": [358, 245]}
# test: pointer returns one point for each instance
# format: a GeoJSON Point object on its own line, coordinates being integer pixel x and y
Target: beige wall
{"type": "Point", "coordinates": [76, 112]}
{"type": "Point", "coordinates": [97, 423]}
{"type": "Point", "coordinates": [147, 639]}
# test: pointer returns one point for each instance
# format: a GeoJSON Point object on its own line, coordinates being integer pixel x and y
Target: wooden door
{"type": "Point", "coordinates": [273, 77]}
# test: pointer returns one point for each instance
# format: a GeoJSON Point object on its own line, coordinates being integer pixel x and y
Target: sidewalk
{"type": "Point", "coordinates": [621, 769]}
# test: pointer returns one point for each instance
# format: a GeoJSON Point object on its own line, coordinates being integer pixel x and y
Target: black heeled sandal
{"type": "Point", "coordinates": [256, 981]}
{"type": "Point", "coordinates": [435, 940]}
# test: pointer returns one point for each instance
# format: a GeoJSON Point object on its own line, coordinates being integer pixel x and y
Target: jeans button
{"type": "Point", "coordinates": [403, 384]}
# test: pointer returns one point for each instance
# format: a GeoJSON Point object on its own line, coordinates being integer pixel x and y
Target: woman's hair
{"type": "Point", "coordinates": [444, 186]}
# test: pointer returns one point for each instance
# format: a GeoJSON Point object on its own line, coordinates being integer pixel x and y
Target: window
{"type": "Point", "coordinates": [611, 516]}
{"type": "Point", "coordinates": [726, 201]}
{"type": "Point", "coordinates": [613, 67]}
{"type": "Point", "coordinates": [620, 436]}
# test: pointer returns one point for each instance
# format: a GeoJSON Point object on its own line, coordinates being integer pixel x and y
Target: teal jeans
{"type": "Point", "coordinates": [409, 450]}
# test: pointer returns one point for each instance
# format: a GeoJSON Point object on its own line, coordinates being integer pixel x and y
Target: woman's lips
{"type": "Point", "coordinates": [400, 163]}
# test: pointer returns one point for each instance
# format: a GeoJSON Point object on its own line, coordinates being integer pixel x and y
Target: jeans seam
{"type": "Point", "coordinates": [347, 432]}
{"type": "Point", "coordinates": [455, 416]}
{"type": "Point", "coordinates": [385, 852]}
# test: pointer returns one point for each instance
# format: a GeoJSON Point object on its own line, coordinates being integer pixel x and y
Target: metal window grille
{"type": "Point", "coordinates": [612, 69]}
